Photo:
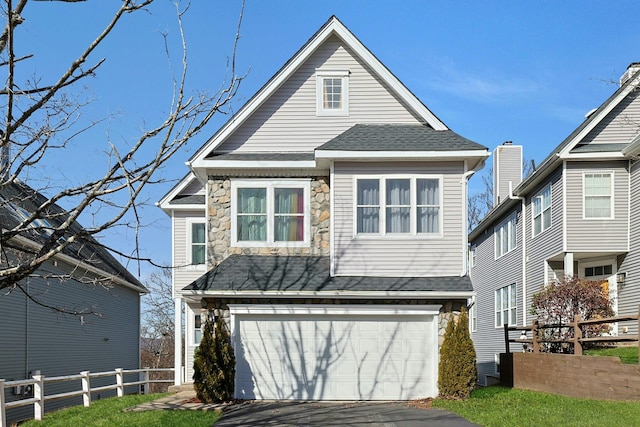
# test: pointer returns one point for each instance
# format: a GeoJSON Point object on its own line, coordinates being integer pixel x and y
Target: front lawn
{"type": "Point", "coordinates": [502, 406]}
{"type": "Point", "coordinates": [627, 354]}
{"type": "Point", "coordinates": [109, 412]}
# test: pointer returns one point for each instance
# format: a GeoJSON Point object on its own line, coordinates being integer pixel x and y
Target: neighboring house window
{"type": "Point", "coordinates": [272, 213]}
{"type": "Point", "coordinates": [598, 271]}
{"type": "Point", "coordinates": [473, 317]}
{"type": "Point", "coordinates": [542, 211]}
{"type": "Point", "coordinates": [197, 329]}
{"type": "Point", "coordinates": [332, 93]}
{"type": "Point", "coordinates": [472, 256]}
{"type": "Point", "coordinates": [506, 306]}
{"type": "Point", "coordinates": [411, 205]}
{"type": "Point", "coordinates": [505, 237]}
{"type": "Point", "coordinates": [198, 242]}
{"type": "Point", "coordinates": [598, 195]}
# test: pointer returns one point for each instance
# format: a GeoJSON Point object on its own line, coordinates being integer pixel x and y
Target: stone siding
{"type": "Point", "coordinates": [219, 223]}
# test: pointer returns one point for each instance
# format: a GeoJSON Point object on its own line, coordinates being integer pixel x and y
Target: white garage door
{"type": "Point", "coordinates": [329, 352]}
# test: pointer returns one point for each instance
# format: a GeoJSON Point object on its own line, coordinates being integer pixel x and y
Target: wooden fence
{"type": "Point", "coordinates": [578, 339]}
{"type": "Point", "coordinates": [575, 375]}
{"type": "Point", "coordinates": [38, 396]}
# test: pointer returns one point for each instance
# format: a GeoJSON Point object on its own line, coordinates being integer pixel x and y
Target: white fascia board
{"type": "Point", "coordinates": [254, 164]}
{"type": "Point", "coordinates": [333, 294]}
{"type": "Point", "coordinates": [427, 155]}
{"type": "Point", "coordinates": [610, 155]}
{"type": "Point", "coordinates": [633, 148]}
{"type": "Point", "coordinates": [601, 116]}
{"type": "Point", "coordinates": [163, 203]}
{"type": "Point", "coordinates": [335, 26]}
{"type": "Point", "coordinates": [331, 309]}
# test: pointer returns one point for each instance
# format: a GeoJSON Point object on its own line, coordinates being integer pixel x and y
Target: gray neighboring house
{"type": "Point", "coordinates": [326, 221]}
{"type": "Point", "coordinates": [84, 277]}
{"type": "Point", "coordinates": [577, 214]}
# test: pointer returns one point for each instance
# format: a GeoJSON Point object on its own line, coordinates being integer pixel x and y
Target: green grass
{"type": "Point", "coordinates": [109, 412]}
{"type": "Point", "coordinates": [501, 406]}
{"type": "Point", "coordinates": [627, 354]}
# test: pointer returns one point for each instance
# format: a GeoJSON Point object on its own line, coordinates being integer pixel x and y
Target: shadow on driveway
{"type": "Point", "coordinates": [352, 414]}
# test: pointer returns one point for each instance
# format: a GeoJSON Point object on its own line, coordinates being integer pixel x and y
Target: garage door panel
{"type": "Point", "coordinates": [343, 357]}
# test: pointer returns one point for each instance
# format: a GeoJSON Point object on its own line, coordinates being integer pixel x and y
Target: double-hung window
{"type": "Point", "coordinates": [541, 211]}
{"type": "Point", "coordinates": [505, 236]}
{"type": "Point", "coordinates": [197, 242]}
{"type": "Point", "coordinates": [506, 306]}
{"type": "Point", "coordinates": [598, 195]}
{"type": "Point", "coordinates": [270, 213]}
{"type": "Point", "coordinates": [399, 205]}
{"type": "Point", "coordinates": [332, 93]}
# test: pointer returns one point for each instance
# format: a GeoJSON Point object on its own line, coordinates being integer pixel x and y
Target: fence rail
{"type": "Point", "coordinates": [38, 382]}
{"type": "Point", "coordinates": [578, 338]}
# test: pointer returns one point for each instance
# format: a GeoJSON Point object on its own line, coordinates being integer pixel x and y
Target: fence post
{"type": "Point", "coordinates": [146, 380]}
{"type": "Point", "coordinates": [507, 347]}
{"type": "Point", "coordinates": [119, 382]}
{"type": "Point", "coordinates": [38, 394]}
{"type": "Point", "coordinates": [86, 388]}
{"type": "Point", "coordinates": [3, 415]}
{"type": "Point", "coordinates": [534, 336]}
{"type": "Point", "coordinates": [577, 335]}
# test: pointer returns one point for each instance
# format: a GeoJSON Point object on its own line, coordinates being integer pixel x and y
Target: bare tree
{"type": "Point", "coordinates": [42, 117]}
{"type": "Point", "coordinates": [157, 327]}
{"type": "Point", "coordinates": [481, 202]}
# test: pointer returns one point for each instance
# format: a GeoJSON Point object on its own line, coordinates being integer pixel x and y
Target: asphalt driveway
{"type": "Point", "coordinates": [352, 414]}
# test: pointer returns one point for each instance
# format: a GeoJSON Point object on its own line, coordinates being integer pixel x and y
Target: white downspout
{"type": "Point", "coordinates": [465, 205]}
{"type": "Point", "coordinates": [177, 345]}
{"type": "Point", "coordinates": [524, 254]}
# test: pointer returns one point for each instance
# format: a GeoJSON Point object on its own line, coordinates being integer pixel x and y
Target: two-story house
{"type": "Point", "coordinates": [326, 221]}
{"type": "Point", "coordinates": [574, 215]}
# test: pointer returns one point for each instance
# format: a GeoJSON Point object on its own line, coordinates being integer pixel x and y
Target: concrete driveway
{"type": "Point", "coordinates": [352, 414]}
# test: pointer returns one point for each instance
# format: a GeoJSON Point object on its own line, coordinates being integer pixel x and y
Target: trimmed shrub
{"type": "Point", "coordinates": [214, 364]}
{"type": "Point", "coordinates": [457, 371]}
{"type": "Point", "coordinates": [558, 303]}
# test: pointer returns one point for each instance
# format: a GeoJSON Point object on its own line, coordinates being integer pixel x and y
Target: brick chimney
{"type": "Point", "coordinates": [507, 168]}
{"type": "Point", "coordinates": [633, 68]}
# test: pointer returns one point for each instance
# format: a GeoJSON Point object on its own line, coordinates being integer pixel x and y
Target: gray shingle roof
{"type": "Point", "coordinates": [310, 274]}
{"type": "Point", "coordinates": [399, 137]}
{"type": "Point", "coordinates": [599, 148]}
{"type": "Point", "coordinates": [263, 156]}
{"type": "Point", "coordinates": [188, 200]}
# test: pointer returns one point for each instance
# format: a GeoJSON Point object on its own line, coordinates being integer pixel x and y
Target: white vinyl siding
{"type": "Point", "coordinates": [598, 195]}
{"type": "Point", "coordinates": [270, 213]}
{"type": "Point", "coordinates": [287, 121]}
{"type": "Point", "coordinates": [506, 310]}
{"type": "Point", "coordinates": [505, 237]}
{"type": "Point", "coordinates": [541, 211]}
{"type": "Point", "coordinates": [401, 254]}
{"type": "Point", "coordinates": [398, 205]}
{"type": "Point", "coordinates": [184, 273]}
{"type": "Point", "coordinates": [597, 234]}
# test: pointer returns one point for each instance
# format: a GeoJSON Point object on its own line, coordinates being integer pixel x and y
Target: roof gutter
{"type": "Point", "coordinates": [330, 294]}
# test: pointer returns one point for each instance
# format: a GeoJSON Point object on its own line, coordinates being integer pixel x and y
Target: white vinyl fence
{"type": "Point", "coordinates": [38, 383]}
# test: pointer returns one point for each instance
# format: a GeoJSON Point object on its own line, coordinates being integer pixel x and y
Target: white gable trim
{"type": "Point", "coordinates": [566, 151]}
{"type": "Point", "coordinates": [333, 26]}
{"type": "Point", "coordinates": [164, 202]}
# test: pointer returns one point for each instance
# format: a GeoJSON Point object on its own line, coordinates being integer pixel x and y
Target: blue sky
{"type": "Point", "coordinates": [492, 71]}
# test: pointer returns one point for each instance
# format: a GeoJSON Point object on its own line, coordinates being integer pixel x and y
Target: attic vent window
{"type": "Point", "coordinates": [332, 93]}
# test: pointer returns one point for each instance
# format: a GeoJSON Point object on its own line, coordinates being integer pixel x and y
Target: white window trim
{"type": "Point", "coordinates": [473, 315]}
{"type": "Point", "coordinates": [582, 266]}
{"type": "Point", "coordinates": [383, 211]}
{"type": "Point", "coordinates": [497, 242]}
{"type": "Point", "coordinates": [611, 192]}
{"type": "Point", "coordinates": [189, 243]}
{"type": "Point", "coordinates": [472, 256]}
{"type": "Point", "coordinates": [324, 74]}
{"type": "Point", "coordinates": [514, 304]}
{"type": "Point", "coordinates": [533, 215]}
{"type": "Point", "coordinates": [270, 185]}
